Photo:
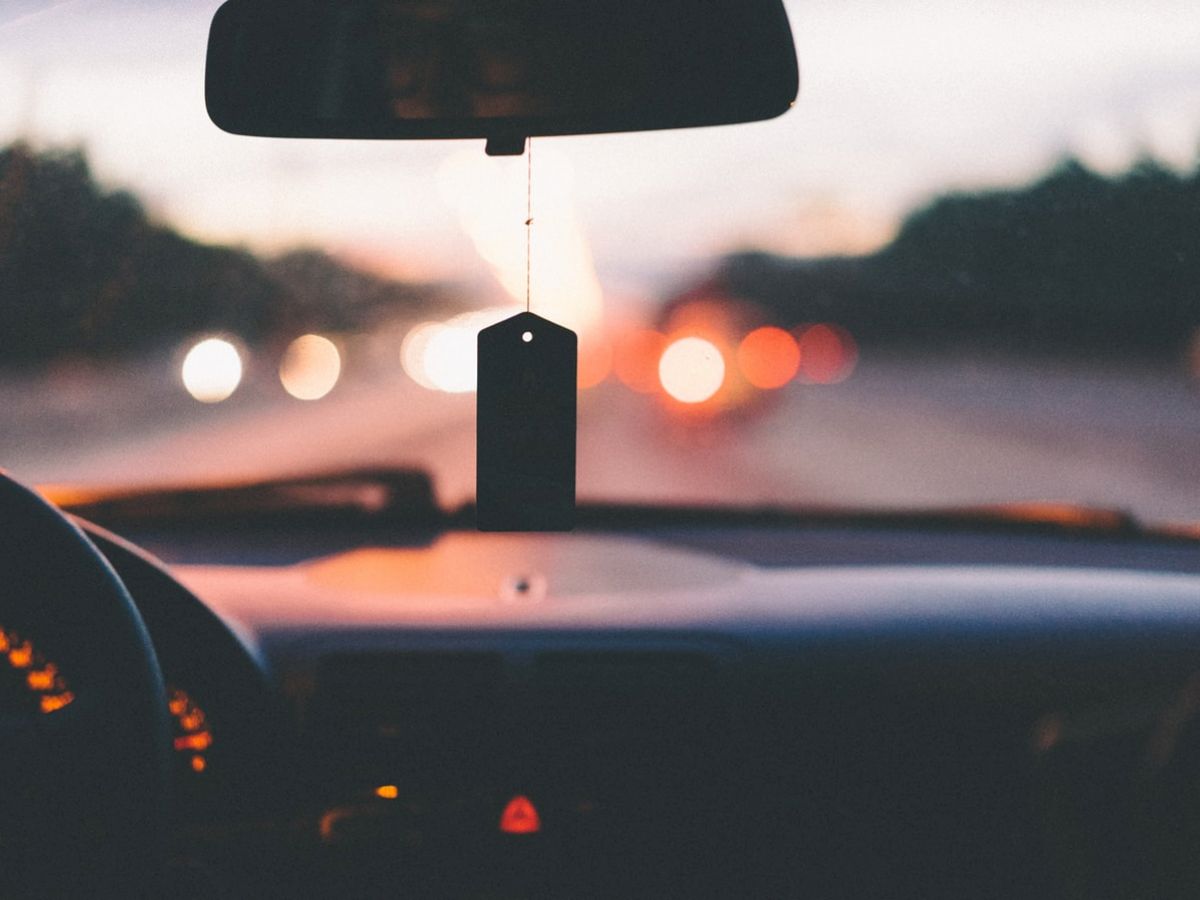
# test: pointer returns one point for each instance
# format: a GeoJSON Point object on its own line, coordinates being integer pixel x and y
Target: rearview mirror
{"type": "Point", "coordinates": [503, 70]}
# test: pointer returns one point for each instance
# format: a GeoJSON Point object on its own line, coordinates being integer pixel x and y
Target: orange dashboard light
{"type": "Point", "coordinates": [201, 740]}
{"type": "Point", "coordinates": [53, 702]}
{"type": "Point", "coordinates": [520, 816]}
{"type": "Point", "coordinates": [41, 679]}
{"type": "Point", "coordinates": [199, 763]}
{"type": "Point", "coordinates": [21, 656]}
{"type": "Point", "coordinates": [387, 791]}
{"type": "Point", "coordinates": [193, 720]}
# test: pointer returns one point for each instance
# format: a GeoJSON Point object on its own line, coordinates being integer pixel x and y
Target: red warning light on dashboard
{"type": "Point", "coordinates": [520, 816]}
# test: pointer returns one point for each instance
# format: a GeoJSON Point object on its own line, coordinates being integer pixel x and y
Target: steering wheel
{"type": "Point", "coordinates": [84, 754]}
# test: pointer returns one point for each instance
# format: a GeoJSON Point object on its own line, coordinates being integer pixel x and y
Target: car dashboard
{"type": "Point", "coordinates": [689, 710]}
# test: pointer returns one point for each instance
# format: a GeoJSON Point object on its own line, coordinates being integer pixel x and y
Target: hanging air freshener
{"type": "Point", "coordinates": [525, 421]}
{"type": "Point", "coordinates": [525, 426]}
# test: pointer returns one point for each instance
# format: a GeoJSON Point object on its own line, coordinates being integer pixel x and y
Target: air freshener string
{"type": "Point", "coordinates": [528, 220]}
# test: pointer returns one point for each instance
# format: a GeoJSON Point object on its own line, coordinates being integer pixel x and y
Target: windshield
{"type": "Point", "coordinates": [964, 269]}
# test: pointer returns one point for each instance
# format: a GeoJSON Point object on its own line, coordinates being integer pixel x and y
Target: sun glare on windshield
{"type": "Point", "coordinates": [493, 198]}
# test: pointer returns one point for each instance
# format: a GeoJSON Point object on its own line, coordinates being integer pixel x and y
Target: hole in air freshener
{"type": "Point", "coordinates": [525, 417]}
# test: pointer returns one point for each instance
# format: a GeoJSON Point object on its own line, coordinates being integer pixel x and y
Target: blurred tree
{"type": "Point", "coordinates": [85, 272]}
{"type": "Point", "coordinates": [1072, 262]}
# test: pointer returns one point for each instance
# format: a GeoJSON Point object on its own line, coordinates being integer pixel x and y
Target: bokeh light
{"type": "Point", "coordinates": [714, 315]}
{"type": "Point", "coordinates": [828, 354]}
{"type": "Point", "coordinates": [449, 360]}
{"type": "Point", "coordinates": [691, 370]}
{"type": "Point", "coordinates": [212, 370]}
{"type": "Point", "coordinates": [310, 367]}
{"type": "Point", "coordinates": [442, 356]}
{"type": "Point", "coordinates": [636, 360]}
{"type": "Point", "coordinates": [412, 352]}
{"type": "Point", "coordinates": [768, 357]}
{"type": "Point", "coordinates": [595, 361]}
{"type": "Point", "coordinates": [711, 313]}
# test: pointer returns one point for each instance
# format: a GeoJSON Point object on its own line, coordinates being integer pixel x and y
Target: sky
{"type": "Point", "coordinates": [899, 100]}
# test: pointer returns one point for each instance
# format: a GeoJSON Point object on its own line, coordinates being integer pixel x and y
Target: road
{"type": "Point", "coordinates": [898, 433]}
